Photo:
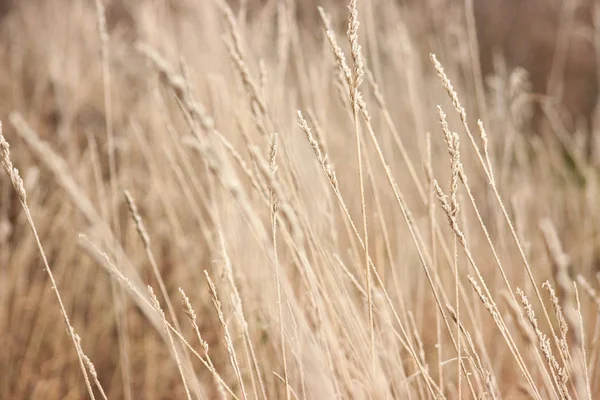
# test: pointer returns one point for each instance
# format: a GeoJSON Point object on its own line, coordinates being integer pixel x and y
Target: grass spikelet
{"type": "Point", "coordinates": [17, 183]}
{"type": "Point", "coordinates": [559, 374]}
{"type": "Point", "coordinates": [156, 304]}
{"type": "Point", "coordinates": [189, 311]}
{"type": "Point", "coordinates": [228, 340]}
{"type": "Point", "coordinates": [274, 208]}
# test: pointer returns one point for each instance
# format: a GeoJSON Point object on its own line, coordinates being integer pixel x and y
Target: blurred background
{"type": "Point", "coordinates": [177, 102]}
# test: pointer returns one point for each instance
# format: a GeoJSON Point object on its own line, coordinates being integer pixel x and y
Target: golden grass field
{"type": "Point", "coordinates": [264, 200]}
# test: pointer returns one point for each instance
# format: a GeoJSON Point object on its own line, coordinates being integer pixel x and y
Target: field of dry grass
{"type": "Point", "coordinates": [275, 201]}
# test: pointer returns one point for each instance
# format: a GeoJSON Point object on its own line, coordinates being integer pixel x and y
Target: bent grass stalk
{"type": "Point", "coordinates": [17, 183]}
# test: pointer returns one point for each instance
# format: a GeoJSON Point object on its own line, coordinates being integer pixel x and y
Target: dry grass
{"type": "Point", "coordinates": [267, 202]}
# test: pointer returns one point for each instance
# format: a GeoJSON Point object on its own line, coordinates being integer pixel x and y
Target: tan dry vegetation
{"type": "Point", "coordinates": [251, 202]}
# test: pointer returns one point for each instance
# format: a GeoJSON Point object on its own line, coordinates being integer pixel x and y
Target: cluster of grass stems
{"type": "Point", "coordinates": [258, 221]}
